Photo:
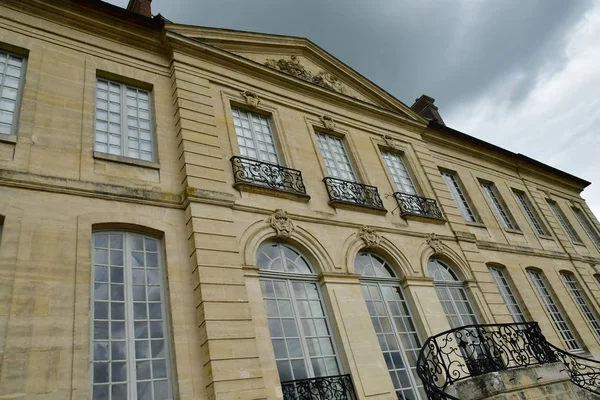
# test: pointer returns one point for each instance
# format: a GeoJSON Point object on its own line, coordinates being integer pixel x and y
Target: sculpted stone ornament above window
{"type": "Point", "coordinates": [328, 122]}
{"type": "Point", "coordinates": [369, 236]}
{"type": "Point", "coordinates": [389, 141]}
{"type": "Point", "coordinates": [251, 98]}
{"type": "Point", "coordinates": [435, 243]}
{"type": "Point", "coordinates": [283, 225]}
{"type": "Point", "coordinates": [293, 67]}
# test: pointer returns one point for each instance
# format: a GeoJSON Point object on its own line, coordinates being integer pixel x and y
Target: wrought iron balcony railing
{"type": "Point", "coordinates": [347, 192]}
{"type": "Point", "coordinates": [248, 171]}
{"type": "Point", "coordinates": [337, 387]}
{"type": "Point", "coordinates": [474, 350]}
{"type": "Point", "coordinates": [411, 204]}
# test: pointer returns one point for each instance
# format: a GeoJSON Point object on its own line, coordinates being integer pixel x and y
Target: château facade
{"type": "Point", "coordinates": [200, 213]}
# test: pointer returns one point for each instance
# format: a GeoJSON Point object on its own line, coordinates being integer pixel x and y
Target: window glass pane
{"type": "Point", "coordinates": [564, 222]}
{"type": "Point", "coordinates": [335, 157]}
{"type": "Point", "coordinates": [459, 197]}
{"type": "Point", "coordinates": [532, 216]}
{"type": "Point", "coordinates": [11, 75]}
{"type": "Point", "coordinates": [563, 328]}
{"type": "Point", "coordinates": [582, 302]}
{"type": "Point", "coordinates": [507, 294]}
{"type": "Point", "coordinates": [399, 172]}
{"type": "Point", "coordinates": [497, 206]}
{"type": "Point", "coordinates": [123, 121]}
{"type": "Point", "coordinates": [128, 311]}
{"type": "Point", "coordinates": [587, 226]}
{"type": "Point", "coordinates": [254, 135]}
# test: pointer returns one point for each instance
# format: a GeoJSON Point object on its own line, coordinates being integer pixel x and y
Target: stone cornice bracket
{"type": "Point", "coordinates": [327, 122]}
{"type": "Point", "coordinates": [389, 141]}
{"type": "Point", "coordinates": [435, 243]}
{"type": "Point", "coordinates": [282, 224]}
{"type": "Point", "coordinates": [251, 98]}
{"type": "Point", "coordinates": [368, 235]}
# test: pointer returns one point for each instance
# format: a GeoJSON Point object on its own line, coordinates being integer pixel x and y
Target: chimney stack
{"type": "Point", "coordinates": [425, 108]}
{"type": "Point", "coordinates": [142, 7]}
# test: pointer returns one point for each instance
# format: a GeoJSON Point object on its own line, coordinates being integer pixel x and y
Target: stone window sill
{"type": "Point", "coordinates": [126, 160]}
{"type": "Point", "coordinates": [476, 224]}
{"type": "Point", "coordinates": [12, 139]}
{"type": "Point", "coordinates": [516, 232]}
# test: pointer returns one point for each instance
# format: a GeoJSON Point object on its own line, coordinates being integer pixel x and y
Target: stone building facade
{"type": "Point", "coordinates": [199, 213]}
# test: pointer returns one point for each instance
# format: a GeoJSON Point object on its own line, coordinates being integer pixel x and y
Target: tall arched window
{"type": "Point", "coordinates": [451, 292]}
{"type": "Point", "coordinates": [393, 323]}
{"type": "Point", "coordinates": [300, 332]}
{"type": "Point", "coordinates": [130, 351]}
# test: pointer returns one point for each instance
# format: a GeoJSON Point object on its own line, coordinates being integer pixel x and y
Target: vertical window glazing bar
{"type": "Point", "coordinates": [255, 136]}
{"type": "Point", "coordinates": [12, 71]}
{"type": "Point", "coordinates": [335, 157]}
{"type": "Point", "coordinates": [564, 328]}
{"type": "Point", "coordinates": [399, 172]}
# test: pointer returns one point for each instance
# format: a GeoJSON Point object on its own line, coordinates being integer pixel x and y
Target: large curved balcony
{"type": "Point", "coordinates": [474, 350]}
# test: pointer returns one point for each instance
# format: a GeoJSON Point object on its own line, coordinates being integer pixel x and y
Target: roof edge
{"type": "Point", "coordinates": [521, 157]}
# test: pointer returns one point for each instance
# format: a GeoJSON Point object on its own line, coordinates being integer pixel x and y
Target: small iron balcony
{"type": "Point", "coordinates": [420, 207]}
{"type": "Point", "coordinates": [247, 171]}
{"type": "Point", "coordinates": [337, 387]}
{"type": "Point", "coordinates": [353, 193]}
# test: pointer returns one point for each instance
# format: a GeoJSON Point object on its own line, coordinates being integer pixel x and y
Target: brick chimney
{"type": "Point", "coordinates": [425, 108]}
{"type": "Point", "coordinates": [142, 7]}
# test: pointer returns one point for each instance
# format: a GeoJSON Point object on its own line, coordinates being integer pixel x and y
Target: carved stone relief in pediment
{"type": "Point", "coordinates": [294, 67]}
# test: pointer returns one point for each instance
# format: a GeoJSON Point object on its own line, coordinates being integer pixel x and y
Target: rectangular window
{"type": "Point", "coordinates": [587, 226]}
{"type": "Point", "coordinates": [130, 351]}
{"type": "Point", "coordinates": [399, 172]}
{"type": "Point", "coordinates": [562, 219]}
{"type": "Point", "coordinates": [254, 135]}
{"type": "Point", "coordinates": [498, 206]}
{"type": "Point", "coordinates": [123, 122]}
{"type": "Point", "coordinates": [12, 77]}
{"type": "Point", "coordinates": [336, 158]}
{"type": "Point", "coordinates": [531, 214]}
{"type": "Point", "coordinates": [507, 293]}
{"type": "Point", "coordinates": [582, 302]}
{"type": "Point", "coordinates": [458, 194]}
{"type": "Point", "coordinates": [561, 324]}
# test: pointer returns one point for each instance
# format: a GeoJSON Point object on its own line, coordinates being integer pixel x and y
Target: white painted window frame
{"type": "Point", "coordinates": [237, 120]}
{"type": "Point", "coordinates": [327, 142]}
{"type": "Point", "coordinates": [582, 301]}
{"type": "Point", "coordinates": [532, 216]}
{"type": "Point", "coordinates": [401, 175]}
{"type": "Point", "coordinates": [507, 293]}
{"type": "Point", "coordinates": [459, 195]}
{"type": "Point", "coordinates": [498, 206]}
{"type": "Point", "coordinates": [21, 86]}
{"type": "Point", "coordinates": [587, 226]}
{"type": "Point", "coordinates": [564, 222]}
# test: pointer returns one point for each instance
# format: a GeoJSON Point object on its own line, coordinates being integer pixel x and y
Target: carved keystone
{"type": "Point", "coordinates": [369, 236]}
{"type": "Point", "coordinates": [251, 98]}
{"type": "Point", "coordinates": [328, 122]}
{"type": "Point", "coordinates": [282, 224]}
{"type": "Point", "coordinates": [435, 243]}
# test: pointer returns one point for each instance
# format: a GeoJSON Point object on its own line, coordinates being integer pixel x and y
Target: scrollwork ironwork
{"type": "Point", "coordinates": [411, 204]}
{"type": "Point", "coordinates": [341, 191]}
{"type": "Point", "coordinates": [273, 176]}
{"type": "Point", "coordinates": [337, 387]}
{"type": "Point", "coordinates": [474, 350]}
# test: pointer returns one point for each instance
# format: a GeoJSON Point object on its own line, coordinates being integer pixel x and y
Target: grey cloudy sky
{"type": "Point", "coordinates": [522, 74]}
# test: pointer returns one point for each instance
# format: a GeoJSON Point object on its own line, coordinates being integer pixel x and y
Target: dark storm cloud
{"type": "Point", "coordinates": [451, 50]}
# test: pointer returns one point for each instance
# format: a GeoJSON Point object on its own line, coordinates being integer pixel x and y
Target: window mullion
{"type": "Point", "coordinates": [130, 330]}
{"type": "Point", "coordinates": [303, 342]}
{"type": "Point", "coordinates": [124, 127]}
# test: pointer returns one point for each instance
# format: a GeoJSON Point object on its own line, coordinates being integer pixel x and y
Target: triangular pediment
{"type": "Point", "coordinates": [298, 57]}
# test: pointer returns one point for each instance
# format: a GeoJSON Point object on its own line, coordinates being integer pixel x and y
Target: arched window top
{"type": "Point", "coordinates": [440, 271]}
{"type": "Point", "coordinates": [280, 257]}
{"type": "Point", "coordinates": [372, 265]}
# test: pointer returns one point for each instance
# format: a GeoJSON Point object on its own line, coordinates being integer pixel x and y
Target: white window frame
{"type": "Point", "coordinates": [532, 216]}
{"type": "Point", "coordinates": [561, 324]}
{"type": "Point", "coordinates": [582, 301]}
{"type": "Point", "coordinates": [459, 195]}
{"type": "Point", "coordinates": [587, 226]}
{"type": "Point", "coordinates": [564, 222]}
{"type": "Point", "coordinates": [21, 86]}
{"type": "Point", "coordinates": [130, 335]}
{"type": "Point", "coordinates": [336, 168]}
{"type": "Point", "coordinates": [507, 293]}
{"type": "Point", "coordinates": [289, 279]}
{"type": "Point", "coordinates": [394, 282]}
{"type": "Point", "coordinates": [396, 165]}
{"type": "Point", "coordinates": [260, 147]}
{"type": "Point", "coordinates": [124, 142]}
{"type": "Point", "coordinates": [498, 206]}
